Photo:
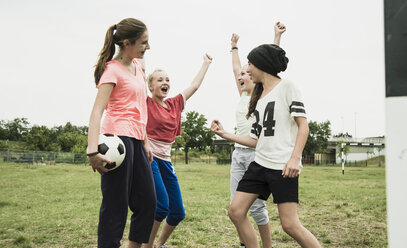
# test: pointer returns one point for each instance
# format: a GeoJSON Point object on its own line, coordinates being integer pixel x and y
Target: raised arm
{"type": "Point", "coordinates": [279, 29]}
{"type": "Point", "coordinates": [245, 140]}
{"type": "Point", "coordinates": [196, 83]}
{"type": "Point", "coordinates": [236, 65]}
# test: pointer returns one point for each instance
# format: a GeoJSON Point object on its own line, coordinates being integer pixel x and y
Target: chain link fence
{"type": "Point", "coordinates": [41, 157]}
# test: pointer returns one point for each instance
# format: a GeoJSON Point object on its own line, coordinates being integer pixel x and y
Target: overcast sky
{"type": "Point", "coordinates": [336, 52]}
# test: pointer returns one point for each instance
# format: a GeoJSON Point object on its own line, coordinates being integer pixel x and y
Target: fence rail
{"type": "Point", "coordinates": [44, 157]}
{"type": "Point", "coordinates": [41, 157]}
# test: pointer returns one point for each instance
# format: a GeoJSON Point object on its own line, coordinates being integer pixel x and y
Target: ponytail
{"type": "Point", "coordinates": [130, 29]}
{"type": "Point", "coordinates": [106, 54]}
{"type": "Point", "coordinates": [257, 91]}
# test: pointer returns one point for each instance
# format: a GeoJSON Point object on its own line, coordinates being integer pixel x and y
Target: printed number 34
{"type": "Point", "coordinates": [268, 122]}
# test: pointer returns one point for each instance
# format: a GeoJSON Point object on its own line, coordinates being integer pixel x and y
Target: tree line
{"type": "Point", "coordinates": [194, 135]}
{"type": "Point", "coordinates": [63, 138]}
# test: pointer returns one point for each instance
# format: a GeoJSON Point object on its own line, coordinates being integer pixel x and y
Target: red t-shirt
{"type": "Point", "coordinates": [164, 124]}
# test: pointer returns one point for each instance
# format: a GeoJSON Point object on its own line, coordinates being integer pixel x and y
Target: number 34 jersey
{"type": "Point", "coordinates": [274, 126]}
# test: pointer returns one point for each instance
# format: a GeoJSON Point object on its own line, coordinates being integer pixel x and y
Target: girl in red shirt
{"type": "Point", "coordinates": [164, 124]}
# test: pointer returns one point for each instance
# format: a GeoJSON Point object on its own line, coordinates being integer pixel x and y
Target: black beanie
{"type": "Point", "coordinates": [269, 58]}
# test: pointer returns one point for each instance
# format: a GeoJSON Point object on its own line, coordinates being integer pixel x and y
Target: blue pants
{"type": "Point", "coordinates": [130, 185]}
{"type": "Point", "coordinates": [169, 200]}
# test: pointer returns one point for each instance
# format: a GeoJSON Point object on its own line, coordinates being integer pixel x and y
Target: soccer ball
{"type": "Point", "coordinates": [112, 147]}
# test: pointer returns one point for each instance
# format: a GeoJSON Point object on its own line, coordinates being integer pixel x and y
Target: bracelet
{"type": "Point", "coordinates": [233, 48]}
{"type": "Point", "coordinates": [92, 154]}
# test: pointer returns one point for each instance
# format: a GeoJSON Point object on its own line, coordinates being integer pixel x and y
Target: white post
{"type": "Point", "coordinates": [396, 170]}
{"type": "Point", "coordinates": [343, 160]}
{"type": "Point", "coordinates": [355, 126]}
{"type": "Point", "coordinates": [396, 120]}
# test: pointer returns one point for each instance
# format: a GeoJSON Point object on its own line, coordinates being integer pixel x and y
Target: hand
{"type": "Point", "coordinates": [97, 161]}
{"type": "Point", "coordinates": [217, 128]}
{"type": "Point", "coordinates": [207, 58]}
{"type": "Point", "coordinates": [291, 168]}
{"type": "Point", "coordinates": [149, 153]}
{"type": "Point", "coordinates": [234, 40]}
{"type": "Point", "coordinates": [279, 28]}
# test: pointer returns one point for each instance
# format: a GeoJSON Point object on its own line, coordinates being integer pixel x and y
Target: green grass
{"type": "Point", "coordinates": [57, 206]}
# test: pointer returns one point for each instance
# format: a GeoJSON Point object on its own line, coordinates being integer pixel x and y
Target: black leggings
{"type": "Point", "coordinates": [130, 185]}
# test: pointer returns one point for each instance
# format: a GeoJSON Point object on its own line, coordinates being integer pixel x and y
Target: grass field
{"type": "Point", "coordinates": [57, 206]}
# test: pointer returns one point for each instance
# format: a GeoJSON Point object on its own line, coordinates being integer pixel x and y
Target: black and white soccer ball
{"type": "Point", "coordinates": [112, 147]}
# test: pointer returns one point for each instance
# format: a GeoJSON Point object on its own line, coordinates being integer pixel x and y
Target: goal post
{"type": "Point", "coordinates": [395, 23]}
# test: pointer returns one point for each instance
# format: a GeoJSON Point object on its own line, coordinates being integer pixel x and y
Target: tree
{"type": "Point", "coordinates": [68, 141]}
{"type": "Point", "coordinates": [318, 136]}
{"type": "Point", "coordinates": [343, 135]}
{"type": "Point", "coordinates": [194, 133]}
{"type": "Point", "coordinates": [16, 129]}
{"type": "Point", "coordinates": [81, 144]}
{"type": "Point", "coordinates": [3, 130]}
{"type": "Point", "coordinates": [179, 142]}
{"type": "Point", "coordinates": [68, 138]}
{"type": "Point", "coordinates": [72, 138]}
{"type": "Point", "coordinates": [41, 138]}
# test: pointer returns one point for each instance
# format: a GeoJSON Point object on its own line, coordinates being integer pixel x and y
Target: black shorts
{"type": "Point", "coordinates": [263, 181]}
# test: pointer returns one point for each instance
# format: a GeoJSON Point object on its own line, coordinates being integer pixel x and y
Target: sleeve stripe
{"type": "Point", "coordinates": [297, 110]}
{"type": "Point", "coordinates": [298, 104]}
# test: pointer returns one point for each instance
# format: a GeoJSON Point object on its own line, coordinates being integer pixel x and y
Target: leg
{"type": "Point", "coordinates": [265, 235]}
{"type": "Point", "coordinates": [176, 208]}
{"type": "Point", "coordinates": [237, 170]}
{"type": "Point", "coordinates": [154, 231]}
{"type": "Point", "coordinates": [142, 197]}
{"type": "Point", "coordinates": [293, 227]}
{"type": "Point", "coordinates": [113, 210]}
{"type": "Point", "coordinates": [259, 213]}
{"type": "Point", "coordinates": [162, 201]}
{"type": "Point", "coordinates": [133, 244]}
{"type": "Point", "coordinates": [238, 214]}
{"type": "Point", "coordinates": [258, 209]}
{"type": "Point", "coordinates": [165, 234]}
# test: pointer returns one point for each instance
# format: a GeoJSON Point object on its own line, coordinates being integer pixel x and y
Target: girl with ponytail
{"type": "Point", "coordinates": [119, 79]}
{"type": "Point", "coordinates": [278, 134]}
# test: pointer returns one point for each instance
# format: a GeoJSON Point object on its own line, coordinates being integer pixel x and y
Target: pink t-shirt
{"type": "Point", "coordinates": [164, 124]}
{"type": "Point", "coordinates": [126, 110]}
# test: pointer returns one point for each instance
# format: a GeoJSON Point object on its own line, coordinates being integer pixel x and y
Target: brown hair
{"type": "Point", "coordinates": [130, 29]}
{"type": "Point", "coordinates": [258, 89]}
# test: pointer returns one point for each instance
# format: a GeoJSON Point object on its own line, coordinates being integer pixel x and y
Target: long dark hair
{"type": "Point", "coordinates": [130, 29]}
{"type": "Point", "coordinates": [258, 89]}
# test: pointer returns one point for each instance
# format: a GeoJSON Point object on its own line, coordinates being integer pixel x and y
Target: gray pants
{"type": "Point", "coordinates": [241, 159]}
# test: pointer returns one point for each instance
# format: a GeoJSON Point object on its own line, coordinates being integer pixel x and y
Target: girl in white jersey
{"type": "Point", "coordinates": [242, 156]}
{"type": "Point", "coordinates": [279, 134]}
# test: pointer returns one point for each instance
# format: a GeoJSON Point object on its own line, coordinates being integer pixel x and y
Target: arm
{"type": "Point", "coordinates": [196, 83]}
{"type": "Point", "coordinates": [236, 65]}
{"type": "Point", "coordinates": [148, 149]}
{"type": "Point", "coordinates": [101, 100]}
{"type": "Point", "coordinates": [279, 29]}
{"type": "Point", "coordinates": [245, 140]}
{"type": "Point", "coordinates": [292, 168]}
